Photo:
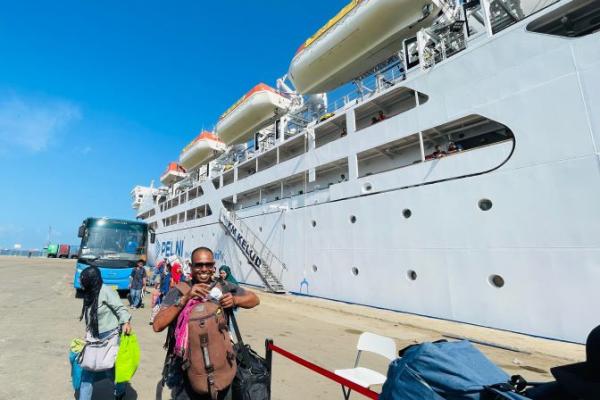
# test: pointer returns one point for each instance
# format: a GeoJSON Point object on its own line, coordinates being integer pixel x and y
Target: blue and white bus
{"type": "Point", "coordinates": [112, 245]}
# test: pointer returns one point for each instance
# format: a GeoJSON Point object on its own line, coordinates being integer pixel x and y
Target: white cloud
{"type": "Point", "coordinates": [31, 124]}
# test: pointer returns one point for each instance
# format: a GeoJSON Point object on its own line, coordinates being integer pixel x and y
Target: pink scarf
{"type": "Point", "coordinates": [181, 329]}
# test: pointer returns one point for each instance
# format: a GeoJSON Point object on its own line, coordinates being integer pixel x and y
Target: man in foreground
{"type": "Point", "coordinates": [175, 312]}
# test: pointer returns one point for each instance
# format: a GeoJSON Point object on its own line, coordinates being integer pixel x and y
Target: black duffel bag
{"type": "Point", "coordinates": [252, 380]}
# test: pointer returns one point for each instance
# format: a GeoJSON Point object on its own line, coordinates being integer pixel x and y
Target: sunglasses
{"type": "Point", "coordinates": [203, 264]}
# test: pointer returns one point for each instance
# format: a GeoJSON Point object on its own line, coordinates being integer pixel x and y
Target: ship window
{"type": "Point", "coordinates": [246, 168]}
{"type": "Point", "coordinates": [397, 154]}
{"type": "Point", "coordinates": [313, 223]}
{"type": "Point", "coordinates": [283, 226]}
{"type": "Point", "coordinates": [367, 187]}
{"type": "Point", "coordinates": [331, 129]}
{"type": "Point", "coordinates": [355, 271]}
{"type": "Point", "coordinates": [314, 268]}
{"type": "Point", "coordinates": [260, 228]}
{"type": "Point", "coordinates": [388, 105]}
{"type": "Point", "coordinates": [265, 161]}
{"type": "Point", "coordinates": [574, 19]}
{"type": "Point", "coordinates": [329, 174]}
{"type": "Point", "coordinates": [496, 281]}
{"type": "Point", "coordinates": [228, 177]}
{"type": "Point", "coordinates": [411, 275]}
{"type": "Point", "coordinates": [190, 215]}
{"type": "Point", "coordinates": [504, 14]}
{"type": "Point", "coordinates": [293, 185]}
{"type": "Point", "coordinates": [485, 204]}
{"type": "Point", "coordinates": [292, 148]}
{"type": "Point", "coordinates": [407, 213]}
{"type": "Point", "coordinates": [352, 219]}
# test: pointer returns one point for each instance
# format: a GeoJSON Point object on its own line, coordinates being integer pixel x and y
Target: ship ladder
{"type": "Point", "coordinates": [263, 260]}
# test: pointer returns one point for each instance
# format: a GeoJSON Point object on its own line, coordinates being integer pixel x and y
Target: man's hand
{"type": "Point", "coordinates": [127, 328]}
{"type": "Point", "coordinates": [199, 290]}
{"type": "Point", "coordinates": [227, 301]}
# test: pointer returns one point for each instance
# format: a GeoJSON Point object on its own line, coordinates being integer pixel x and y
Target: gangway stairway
{"type": "Point", "coordinates": [265, 263]}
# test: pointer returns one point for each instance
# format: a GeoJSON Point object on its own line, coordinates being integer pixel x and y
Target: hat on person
{"type": "Point", "coordinates": [583, 379]}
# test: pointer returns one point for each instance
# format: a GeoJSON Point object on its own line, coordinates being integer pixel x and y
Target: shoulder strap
{"type": "Point", "coordinates": [236, 328]}
{"type": "Point", "coordinates": [111, 309]}
{"type": "Point", "coordinates": [242, 348]}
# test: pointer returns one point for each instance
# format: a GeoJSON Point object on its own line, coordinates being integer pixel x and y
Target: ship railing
{"type": "Point", "coordinates": [369, 85]}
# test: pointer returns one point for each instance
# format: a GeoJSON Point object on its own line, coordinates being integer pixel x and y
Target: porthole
{"type": "Point", "coordinates": [485, 204]}
{"type": "Point", "coordinates": [406, 213]}
{"type": "Point", "coordinates": [411, 275]}
{"type": "Point", "coordinates": [496, 281]}
{"type": "Point", "coordinates": [283, 226]}
{"type": "Point", "coordinates": [260, 228]}
{"type": "Point", "coordinates": [314, 268]}
{"type": "Point", "coordinates": [354, 271]}
{"type": "Point", "coordinates": [313, 223]}
{"type": "Point", "coordinates": [367, 187]}
{"type": "Point", "coordinates": [352, 219]}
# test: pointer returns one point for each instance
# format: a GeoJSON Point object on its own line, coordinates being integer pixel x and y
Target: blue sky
{"type": "Point", "coordinates": [96, 97]}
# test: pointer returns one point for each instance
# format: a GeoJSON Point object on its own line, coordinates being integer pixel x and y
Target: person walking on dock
{"type": "Point", "coordinates": [105, 316]}
{"type": "Point", "coordinates": [137, 283]}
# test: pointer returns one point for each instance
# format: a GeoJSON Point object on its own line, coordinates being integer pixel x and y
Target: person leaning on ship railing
{"type": "Point", "coordinates": [180, 307]}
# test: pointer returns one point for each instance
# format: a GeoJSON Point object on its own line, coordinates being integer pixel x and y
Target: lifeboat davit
{"type": "Point", "coordinates": [173, 174]}
{"type": "Point", "coordinates": [362, 35]}
{"type": "Point", "coordinates": [206, 147]}
{"type": "Point", "coordinates": [258, 108]}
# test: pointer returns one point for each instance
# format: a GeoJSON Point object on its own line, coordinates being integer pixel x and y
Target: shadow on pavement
{"type": "Point", "coordinates": [103, 390]}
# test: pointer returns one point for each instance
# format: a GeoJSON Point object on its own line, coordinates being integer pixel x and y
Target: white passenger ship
{"type": "Point", "coordinates": [457, 176]}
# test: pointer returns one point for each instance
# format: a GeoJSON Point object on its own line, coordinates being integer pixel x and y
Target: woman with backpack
{"type": "Point", "coordinates": [105, 317]}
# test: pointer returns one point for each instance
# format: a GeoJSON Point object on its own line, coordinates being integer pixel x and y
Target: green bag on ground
{"type": "Point", "coordinates": [128, 358]}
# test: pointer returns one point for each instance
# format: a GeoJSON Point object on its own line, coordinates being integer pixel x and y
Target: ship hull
{"type": "Point", "coordinates": [352, 241]}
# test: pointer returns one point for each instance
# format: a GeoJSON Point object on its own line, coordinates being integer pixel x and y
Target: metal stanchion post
{"type": "Point", "coordinates": [269, 358]}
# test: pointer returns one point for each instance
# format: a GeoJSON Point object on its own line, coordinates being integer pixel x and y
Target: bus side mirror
{"type": "Point", "coordinates": [152, 237]}
{"type": "Point", "coordinates": [81, 231]}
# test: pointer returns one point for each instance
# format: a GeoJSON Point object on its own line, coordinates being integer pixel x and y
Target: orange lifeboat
{"type": "Point", "coordinates": [206, 147]}
{"type": "Point", "coordinates": [257, 109]}
{"type": "Point", "coordinates": [173, 174]}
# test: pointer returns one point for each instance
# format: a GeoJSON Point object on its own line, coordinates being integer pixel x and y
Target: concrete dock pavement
{"type": "Point", "coordinates": [40, 316]}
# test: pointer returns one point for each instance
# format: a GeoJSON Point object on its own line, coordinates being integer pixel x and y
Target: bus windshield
{"type": "Point", "coordinates": [106, 239]}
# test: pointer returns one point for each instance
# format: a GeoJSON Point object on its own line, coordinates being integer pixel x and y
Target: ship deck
{"type": "Point", "coordinates": [40, 317]}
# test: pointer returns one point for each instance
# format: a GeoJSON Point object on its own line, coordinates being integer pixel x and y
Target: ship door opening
{"type": "Point", "coordinates": [473, 133]}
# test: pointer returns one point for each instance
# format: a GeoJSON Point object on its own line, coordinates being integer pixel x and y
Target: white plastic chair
{"type": "Point", "coordinates": [365, 377]}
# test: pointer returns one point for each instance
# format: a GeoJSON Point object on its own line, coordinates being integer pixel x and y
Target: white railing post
{"type": "Point", "coordinates": [487, 16]}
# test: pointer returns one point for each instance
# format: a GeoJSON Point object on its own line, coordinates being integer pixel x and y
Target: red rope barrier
{"type": "Point", "coordinates": [322, 371]}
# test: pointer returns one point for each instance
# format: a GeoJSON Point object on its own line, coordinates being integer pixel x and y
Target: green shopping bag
{"type": "Point", "coordinates": [128, 358]}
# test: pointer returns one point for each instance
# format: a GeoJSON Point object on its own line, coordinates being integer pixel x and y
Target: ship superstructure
{"type": "Point", "coordinates": [456, 177]}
